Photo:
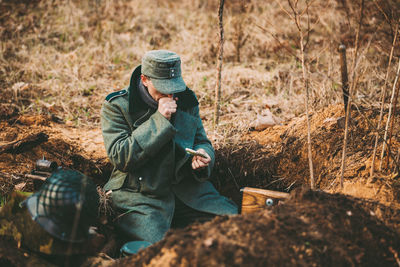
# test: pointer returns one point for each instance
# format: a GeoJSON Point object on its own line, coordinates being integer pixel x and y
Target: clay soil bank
{"type": "Point", "coordinates": [312, 228]}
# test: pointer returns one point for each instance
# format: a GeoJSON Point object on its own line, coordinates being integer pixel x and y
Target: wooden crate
{"type": "Point", "coordinates": [255, 199]}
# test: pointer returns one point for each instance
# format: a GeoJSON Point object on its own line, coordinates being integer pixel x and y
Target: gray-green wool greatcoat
{"type": "Point", "coordinates": [150, 163]}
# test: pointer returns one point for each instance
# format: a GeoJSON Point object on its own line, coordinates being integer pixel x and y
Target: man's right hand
{"type": "Point", "coordinates": [167, 106]}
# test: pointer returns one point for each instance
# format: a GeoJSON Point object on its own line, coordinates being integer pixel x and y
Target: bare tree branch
{"type": "Point", "coordinates": [351, 93]}
{"type": "Point", "coordinates": [392, 121]}
{"type": "Point", "coordinates": [297, 20]}
{"type": "Point", "coordinates": [284, 9]}
{"type": "Point", "coordinates": [276, 39]}
{"type": "Point", "coordinates": [389, 115]}
{"type": "Point", "coordinates": [383, 96]}
{"type": "Point", "coordinates": [219, 67]}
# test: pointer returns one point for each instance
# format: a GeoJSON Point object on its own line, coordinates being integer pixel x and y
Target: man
{"type": "Point", "coordinates": [146, 129]}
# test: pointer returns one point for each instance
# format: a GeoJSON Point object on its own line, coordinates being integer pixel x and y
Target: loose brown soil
{"type": "Point", "coordinates": [58, 59]}
{"type": "Point", "coordinates": [67, 146]}
{"type": "Point", "coordinates": [277, 158]}
{"type": "Point", "coordinates": [312, 228]}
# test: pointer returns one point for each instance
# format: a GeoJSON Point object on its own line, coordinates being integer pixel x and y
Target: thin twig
{"type": "Point", "coordinates": [383, 96]}
{"type": "Point", "coordinates": [345, 78]}
{"type": "Point", "coordinates": [305, 10]}
{"type": "Point", "coordinates": [393, 121]}
{"type": "Point", "coordinates": [357, 42]}
{"type": "Point", "coordinates": [284, 9]}
{"type": "Point", "coordinates": [279, 42]}
{"type": "Point", "coordinates": [306, 83]}
{"type": "Point", "coordinates": [352, 92]}
{"type": "Point", "coordinates": [397, 162]}
{"type": "Point", "coordinates": [219, 67]}
{"type": "Point", "coordinates": [389, 115]}
{"type": "Point", "coordinates": [297, 19]}
{"type": "Point", "coordinates": [308, 26]}
{"type": "Point", "coordinates": [383, 12]}
{"type": "Point", "coordinates": [395, 255]}
{"type": "Point", "coordinates": [234, 179]}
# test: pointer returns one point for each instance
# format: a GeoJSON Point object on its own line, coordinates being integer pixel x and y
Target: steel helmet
{"type": "Point", "coordinates": [66, 205]}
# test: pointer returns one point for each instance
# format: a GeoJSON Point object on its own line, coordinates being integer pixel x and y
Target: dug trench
{"type": "Point", "coordinates": [358, 226]}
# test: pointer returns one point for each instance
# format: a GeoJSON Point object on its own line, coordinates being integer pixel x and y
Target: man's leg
{"type": "Point", "coordinates": [185, 215]}
{"type": "Point", "coordinates": [134, 226]}
{"type": "Point", "coordinates": [139, 217]}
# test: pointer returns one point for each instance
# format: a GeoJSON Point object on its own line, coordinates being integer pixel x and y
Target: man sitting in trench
{"type": "Point", "coordinates": [146, 127]}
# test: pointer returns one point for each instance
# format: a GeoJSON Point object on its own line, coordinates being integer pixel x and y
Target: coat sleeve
{"type": "Point", "coordinates": [128, 149]}
{"type": "Point", "coordinates": [201, 141]}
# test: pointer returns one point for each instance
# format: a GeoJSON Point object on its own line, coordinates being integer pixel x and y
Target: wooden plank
{"type": "Point", "coordinates": [255, 199]}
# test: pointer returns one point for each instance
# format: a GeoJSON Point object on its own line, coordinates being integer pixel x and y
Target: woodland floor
{"type": "Point", "coordinates": [359, 226]}
{"type": "Point", "coordinates": [59, 59]}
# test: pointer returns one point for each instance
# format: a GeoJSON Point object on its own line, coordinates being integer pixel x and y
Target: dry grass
{"type": "Point", "coordinates": [64, 57]}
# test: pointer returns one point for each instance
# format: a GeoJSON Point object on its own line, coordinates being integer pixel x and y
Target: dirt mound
{"type": "Point", "coordinates": [68, 147]}
{"type": "Point", "coordinates": [277, 158]}
{"type": "Point", "coordinates": [311, 229]}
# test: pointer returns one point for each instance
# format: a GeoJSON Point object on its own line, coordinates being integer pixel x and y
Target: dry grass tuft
{"type": "Point", "coordinates": [63, 57]}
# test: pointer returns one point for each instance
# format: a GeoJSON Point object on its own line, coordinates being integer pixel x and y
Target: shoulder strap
{"type": "Point", "coordinates": [114, 95]}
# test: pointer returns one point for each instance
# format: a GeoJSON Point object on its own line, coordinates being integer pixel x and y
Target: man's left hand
{"type": "Point", "coordinates": [200, 162]}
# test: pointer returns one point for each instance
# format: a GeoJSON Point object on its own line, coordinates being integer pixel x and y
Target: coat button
{"type": "Point", "coordinates": [140, 178]}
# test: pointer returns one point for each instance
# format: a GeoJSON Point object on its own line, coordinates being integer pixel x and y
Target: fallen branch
{"type": "Point", "coordinates": [24, 144]}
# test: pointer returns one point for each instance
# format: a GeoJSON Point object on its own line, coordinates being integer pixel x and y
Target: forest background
{"type": "Point", "coordinates": [61, 58]}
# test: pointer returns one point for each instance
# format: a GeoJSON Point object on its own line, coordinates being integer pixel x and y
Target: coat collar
{"type": "Point", "coordinates": [135, 101]}
{"type": "Point", "coordinates": [186, 99]}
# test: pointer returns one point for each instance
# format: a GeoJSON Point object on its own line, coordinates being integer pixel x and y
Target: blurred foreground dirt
{"type": "Point", "coordinates": [311, 228]}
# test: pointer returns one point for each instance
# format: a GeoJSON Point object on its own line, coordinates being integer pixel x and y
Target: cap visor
{"type": "Point", "coordinates": [169, 86]}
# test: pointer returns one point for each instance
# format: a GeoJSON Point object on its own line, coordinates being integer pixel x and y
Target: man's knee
{"type": "Point", "coordinates": [134, 227]}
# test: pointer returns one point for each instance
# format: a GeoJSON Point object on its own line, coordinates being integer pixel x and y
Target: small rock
{"type": "Point", "coordinates": [265, 120]}
{"type": "Point", "coordinates": [208, 242]}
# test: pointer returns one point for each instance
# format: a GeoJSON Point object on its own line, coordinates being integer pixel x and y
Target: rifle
{"type": "Point", "coordinates": [43, 170]}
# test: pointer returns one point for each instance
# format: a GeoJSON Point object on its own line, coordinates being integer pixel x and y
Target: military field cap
{"type": "Point", "coordinates": [164, 69]}
{"type": "Point", "coordinates": [65, 206]}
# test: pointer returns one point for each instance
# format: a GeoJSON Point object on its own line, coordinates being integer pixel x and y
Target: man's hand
{"type": "Point", "coordinates": [167, 106]}
{"type": "Point", "coordinates": [199, 162]}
